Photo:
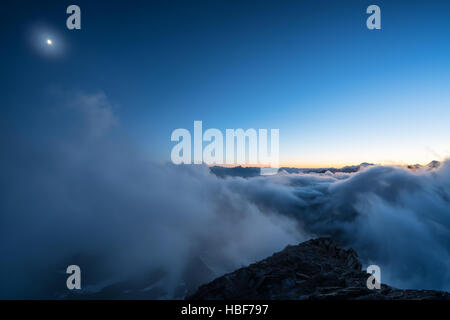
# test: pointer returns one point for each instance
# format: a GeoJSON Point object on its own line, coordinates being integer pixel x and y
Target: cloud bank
{"type": "Point", "coordinates": [84, 195]}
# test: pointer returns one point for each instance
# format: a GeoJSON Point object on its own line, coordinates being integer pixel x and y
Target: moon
{"type": "Point", "coordinates": [49, 42]}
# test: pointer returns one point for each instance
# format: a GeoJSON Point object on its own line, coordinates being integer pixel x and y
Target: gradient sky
{"type": "Point", "coordinates": [339, 93]}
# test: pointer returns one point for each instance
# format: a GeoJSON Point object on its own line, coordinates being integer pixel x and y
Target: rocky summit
{"type": "Point", "coordinates": [315, 269]}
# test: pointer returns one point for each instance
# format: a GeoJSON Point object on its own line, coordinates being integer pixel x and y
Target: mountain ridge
{"type": "Point", "coordinates": [317, 269]}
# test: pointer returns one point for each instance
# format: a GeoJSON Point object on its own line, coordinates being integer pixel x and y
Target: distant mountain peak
{"type": "Point", "coordinates": [434, 164]}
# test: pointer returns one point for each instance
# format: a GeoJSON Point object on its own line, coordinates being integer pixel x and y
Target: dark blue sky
{"type": "Point", "coordinates": [338, 92]}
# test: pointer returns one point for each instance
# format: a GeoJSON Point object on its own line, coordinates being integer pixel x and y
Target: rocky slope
{"type": "Point", "coordinates": [315, 269]}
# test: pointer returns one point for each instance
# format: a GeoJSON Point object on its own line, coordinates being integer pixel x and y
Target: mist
{"type": "Point", "coordinates": [81, 192]}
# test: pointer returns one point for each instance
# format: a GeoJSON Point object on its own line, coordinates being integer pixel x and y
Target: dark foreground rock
{"type": "Point", "coordinates": [315, 269]}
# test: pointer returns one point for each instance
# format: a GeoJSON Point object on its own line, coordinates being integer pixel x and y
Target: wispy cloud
{"type": "Point", "coordinates": [95, 195]}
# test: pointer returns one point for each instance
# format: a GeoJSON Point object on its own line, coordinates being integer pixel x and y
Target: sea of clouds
{"type": "Point", "coordinates": [85, 191]}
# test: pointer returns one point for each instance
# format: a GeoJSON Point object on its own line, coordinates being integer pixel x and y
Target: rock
{"type": "Point", "coordinates": [316, 269]}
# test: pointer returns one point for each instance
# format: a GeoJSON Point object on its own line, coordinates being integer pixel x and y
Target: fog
{"type": "Point", "coordinates": [80, 192]}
